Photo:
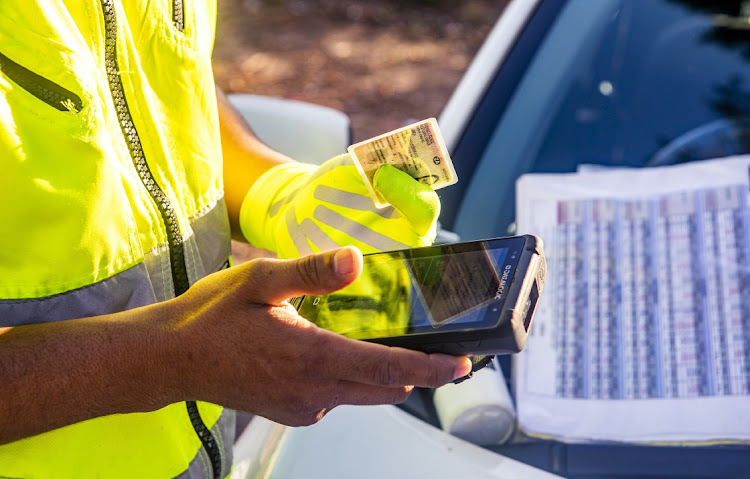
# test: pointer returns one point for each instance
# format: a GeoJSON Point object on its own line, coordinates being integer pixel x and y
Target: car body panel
{"type": "Point", "coordinates": [369, 442]}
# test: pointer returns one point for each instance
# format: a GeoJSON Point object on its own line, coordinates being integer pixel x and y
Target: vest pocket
{"type": "Point", "coordinates": [49, 92]}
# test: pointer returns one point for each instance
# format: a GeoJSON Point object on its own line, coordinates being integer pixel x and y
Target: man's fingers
{"type": "Point", "coordinates": [272, 281]}
{"type": "Point", "coordinates": [345, 393]}
{"type": "Point", "coordinates": [359, 394]}
{"type": "Point", "coordinates": [384, 366]}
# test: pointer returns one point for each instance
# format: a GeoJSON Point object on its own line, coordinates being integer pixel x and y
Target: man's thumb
{"type": "Point", "coordinates": [320, 273]}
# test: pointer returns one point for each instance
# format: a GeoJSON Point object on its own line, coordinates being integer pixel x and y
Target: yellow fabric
{"type": "Point", "coordinates": [144, 448]}
{"type": "Point", "coordinates": [291, 196]}
{"type": "Point", "coordinates": [74, 210]}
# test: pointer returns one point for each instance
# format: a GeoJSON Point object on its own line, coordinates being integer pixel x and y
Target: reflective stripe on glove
{"type": "Point", "coordinates": [295, 209]}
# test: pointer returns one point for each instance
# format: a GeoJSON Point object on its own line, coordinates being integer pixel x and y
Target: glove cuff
{"type": "Point", "coordinates": [272, 186]}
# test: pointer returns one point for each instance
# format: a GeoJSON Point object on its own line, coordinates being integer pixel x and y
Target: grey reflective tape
{"type": "Point", "coordinates": [193, 263]}
{"type": "Point", "coordinates": [298, 238]}
{"type": "Point", "coordinates": [125, 290]}
{"type": "Point", "coordinates": [145, 283]}
{"type": "Point", "coordinates": [199, 467]}
{"type": "Point", "coordinates": [223, 431]}
{"type": "Point", "coordinates": [206, 250]}
{"type": "Point", "coordinates": [344, 160]}
{"type": "Point", "coordinates": [159, 271]}
{"type": "Point", "coordinates": [317, 236]}
{"type": "Point", "coordinates": [357, 231]}
{"type": "Point", "coordinates": [212, 237]}
{"type": "Point", "coordinates": [351, 200]}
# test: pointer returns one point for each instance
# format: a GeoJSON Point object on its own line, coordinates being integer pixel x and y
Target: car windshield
{"type": "Point", "coordinates": [621, 84]}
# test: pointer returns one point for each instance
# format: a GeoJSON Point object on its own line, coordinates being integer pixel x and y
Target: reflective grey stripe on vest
{"type": "Point", "coordinates": [145, 283]}
{"type": "Point", "coordinates": [210, 246]}
{"type": "Point", "coordinates": [223, 431]}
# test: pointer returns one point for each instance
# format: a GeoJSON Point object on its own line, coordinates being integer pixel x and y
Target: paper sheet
{"type": "Point", "coordinates": [643, 331]}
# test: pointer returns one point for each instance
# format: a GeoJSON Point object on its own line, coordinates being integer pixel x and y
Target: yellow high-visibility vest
{"type": "Point", "coordinates": [111, 198]}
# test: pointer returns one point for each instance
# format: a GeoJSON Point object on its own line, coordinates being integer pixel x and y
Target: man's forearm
{"type": "Point", "coordinates": [231, 339]}
{"type": "Point", "coordinates": [56, 374]}
{"type": "Point", "coordinates": [246, 158]}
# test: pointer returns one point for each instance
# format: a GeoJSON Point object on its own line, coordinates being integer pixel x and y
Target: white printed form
{"type": "Point", "coordinates": [643, 331]}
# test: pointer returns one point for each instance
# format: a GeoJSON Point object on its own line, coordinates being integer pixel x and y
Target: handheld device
{"type": "Point", "coordinates": [469, 298]}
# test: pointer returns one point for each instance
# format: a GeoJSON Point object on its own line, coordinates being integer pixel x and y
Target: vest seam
{"type": "Point", "coordinates": [162, 262]}
{"type": "Point", "coordinates": [209, 207]}
{"type": "Point", "coordinates": [191, 248]}
{"type": "Point", "coordinates": [196, 253]}
{"type": "Point", "coordinates": [203, 461]}
{"type": "Point", "coordinates": [170, 292]}
{"type": "Point", "coordinates": [220, 439]}
{"type": "Point", "coordinates": [189, 198]}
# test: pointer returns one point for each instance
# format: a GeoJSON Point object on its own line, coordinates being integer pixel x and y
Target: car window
{"type": "Point", "coordinates": [661, 70]}
{"type": "Point", "coordinates": [618, 83]}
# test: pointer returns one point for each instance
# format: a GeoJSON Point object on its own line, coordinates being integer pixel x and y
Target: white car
{"type": "Point", "coordinates": [558, 83]}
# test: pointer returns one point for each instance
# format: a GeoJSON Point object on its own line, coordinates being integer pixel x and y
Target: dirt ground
{"type": "Point", "coordinates": [384, 62]}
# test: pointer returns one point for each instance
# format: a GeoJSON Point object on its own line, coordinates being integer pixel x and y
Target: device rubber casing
{"type": "Point", "coordinates": [508, 334]}
{"type": "Point", "coordinates": [514, 319]}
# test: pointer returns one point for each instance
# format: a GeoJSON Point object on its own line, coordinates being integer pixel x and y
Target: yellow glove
{"type": "Point", "coordinates": [295, 209]}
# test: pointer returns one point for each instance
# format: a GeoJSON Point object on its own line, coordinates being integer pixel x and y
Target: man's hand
{"type": "Point", "coordinates": [232, 339]}
{"type": "Point", "coordinates": [250, 350]}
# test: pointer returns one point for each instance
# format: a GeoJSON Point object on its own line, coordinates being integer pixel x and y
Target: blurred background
{"type": "Point", "coordinates": [383, 63]}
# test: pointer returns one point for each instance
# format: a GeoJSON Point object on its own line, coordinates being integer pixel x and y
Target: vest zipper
{"type": "Point", "coordinates": [172, 227]}
{"type": "Point", "coordinates": [178, 14]}
{"type": "Point", "coordinates": [133, 140]}
{"type": "Point", "coordinates": [207, 439]}
{"type": "Point", "coordinates": [50, 93]}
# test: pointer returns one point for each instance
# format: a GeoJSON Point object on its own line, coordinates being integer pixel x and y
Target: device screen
{"type": "Point", "coordinates": [439, 288]}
